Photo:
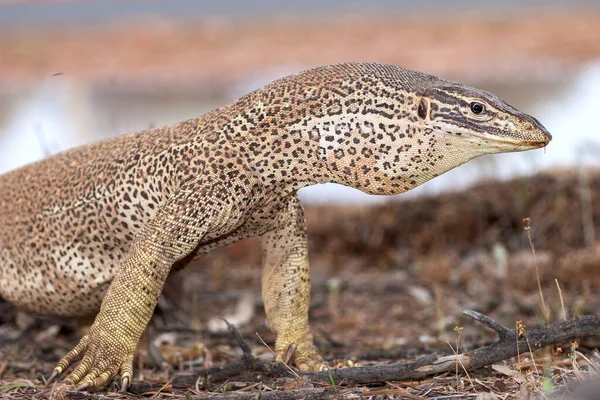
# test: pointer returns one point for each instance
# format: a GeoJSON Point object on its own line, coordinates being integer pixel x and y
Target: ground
{"type": "Point", "coordinates": [389, 284]}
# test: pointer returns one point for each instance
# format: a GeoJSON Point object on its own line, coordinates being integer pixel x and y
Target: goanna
{"type": "Point", "coordinates": [96, 230]}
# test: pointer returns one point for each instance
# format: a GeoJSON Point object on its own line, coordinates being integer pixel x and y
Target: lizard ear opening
{"type": "Point", "coordinates": [422, 110]}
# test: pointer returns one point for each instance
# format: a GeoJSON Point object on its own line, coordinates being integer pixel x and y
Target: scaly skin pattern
{"type": "Point", "coordinates": [97, 230]}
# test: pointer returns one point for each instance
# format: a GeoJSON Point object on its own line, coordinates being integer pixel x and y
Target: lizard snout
{"type": "Point", "coordinates": [544, 136]}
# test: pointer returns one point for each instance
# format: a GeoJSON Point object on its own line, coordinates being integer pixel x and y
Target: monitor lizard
{"type": "Point", "coordinates": [96, 231]}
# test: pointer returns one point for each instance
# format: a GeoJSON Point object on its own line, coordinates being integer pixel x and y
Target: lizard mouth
{"type": "Point", "coordinates": [545, 139]}
{"type": "Point", "coordinates": [538, 145]}
{"type": "Point", "coordinates": [519, 140]}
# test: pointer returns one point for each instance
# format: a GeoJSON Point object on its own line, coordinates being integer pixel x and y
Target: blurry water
{"type": "Point", "coordinates": [62, 114]}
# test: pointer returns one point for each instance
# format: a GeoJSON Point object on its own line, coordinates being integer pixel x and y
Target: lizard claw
{"type": "Point", "coordinates": [126, 372]}
{"type": "Point", "coordinates": [124, 383]}
{"type": "Point", "coordinates": [304, 354]}
{"type": "Point", "coordinates": [71, 357]}
{"type": "Point", "coordinates": [82, 387]}
{"type": "Point", "coordinates": [289, 353]}
{"type": "Point", "coordinates": [53, 375]}
{"type": "Point", "coordinates": [314, 362]}
{"type": "Point", "coordinates": [101, 359]}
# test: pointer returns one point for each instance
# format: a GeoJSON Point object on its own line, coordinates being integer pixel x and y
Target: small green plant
{"type": "Point", "coordinates": [332, 382]}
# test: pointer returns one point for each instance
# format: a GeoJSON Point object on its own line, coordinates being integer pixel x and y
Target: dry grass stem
{"type": "Point", "coordinates": [527, 228]}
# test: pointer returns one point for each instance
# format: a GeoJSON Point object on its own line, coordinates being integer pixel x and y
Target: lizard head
{"type": "Point", "coordinates": [396, 129]}
{"type": "Point", "coordinates": [484, 122]}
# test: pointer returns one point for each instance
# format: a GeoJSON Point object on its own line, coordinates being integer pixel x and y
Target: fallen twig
{"type": "Point", "coordinates": [505, 347]}
{"type": "Point", "coordinates": [239, 339]}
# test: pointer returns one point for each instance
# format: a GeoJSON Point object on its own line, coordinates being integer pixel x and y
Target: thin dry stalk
{"type": "Point", "coordinates": [562, 302]}
{"type": "Point", "coordinates": [458, 330]}
{"type": "Point", "coordinates": [587, 215]}
{"type": "Point", "coordinates": [519, 330]}
{"type": "Point", "coordinates": [530, 351]}
{"type": "Point", "coordinates": [439, 309]}
{"type": "Point", "coordinates": [573, 355]}
{"type": "Point", "coordinates": [527, 228]}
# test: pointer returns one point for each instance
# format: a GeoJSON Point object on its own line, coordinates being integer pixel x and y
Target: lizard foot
{"type": "Point", "coordinates": [102, 356]}
{"type": "Point", "coordinates": [304, 354]}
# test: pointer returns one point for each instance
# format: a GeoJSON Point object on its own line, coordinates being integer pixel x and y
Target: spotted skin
{"type": "Point", "coordinates": [97, 229]}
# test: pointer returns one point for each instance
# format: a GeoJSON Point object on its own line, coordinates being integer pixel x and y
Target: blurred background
{"type": "Point", "coordinates": [77, 71]}
{"type": "Point", "coordinates": [386, 274]}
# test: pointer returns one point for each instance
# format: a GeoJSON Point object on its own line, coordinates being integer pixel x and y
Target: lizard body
{"type": "Point", "coordinates": [98, 229]}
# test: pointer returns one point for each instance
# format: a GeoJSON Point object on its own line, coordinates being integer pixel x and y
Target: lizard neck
{"type": "Point", "coordinates": [270, 134]}
{"type": "Point", "coordinates": [376, 149]}
{"type": "Point", "coordinates": [286, 160]}
{"type": "Point", "coordinates": [289, 146]}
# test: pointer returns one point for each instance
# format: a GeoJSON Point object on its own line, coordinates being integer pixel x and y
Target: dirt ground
{"type": "Point", "coordinates": [389, 284]}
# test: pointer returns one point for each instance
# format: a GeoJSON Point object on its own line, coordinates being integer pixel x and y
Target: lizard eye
{"type": "Point", "coordinates": [476, 107]}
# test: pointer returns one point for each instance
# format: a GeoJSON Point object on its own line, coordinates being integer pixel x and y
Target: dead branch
{"type": "Point", "coordinates": [504, 348]}
{"type": "Point", "coordinates": [239, 339]}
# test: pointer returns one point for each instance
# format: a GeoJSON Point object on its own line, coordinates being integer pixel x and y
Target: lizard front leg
{"type": "Point", "coordinates": [286, 286]}
{"type": "Point", "coordinates": [109, 345]}
{"type": "Point", "coordinates": [194, 213]}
